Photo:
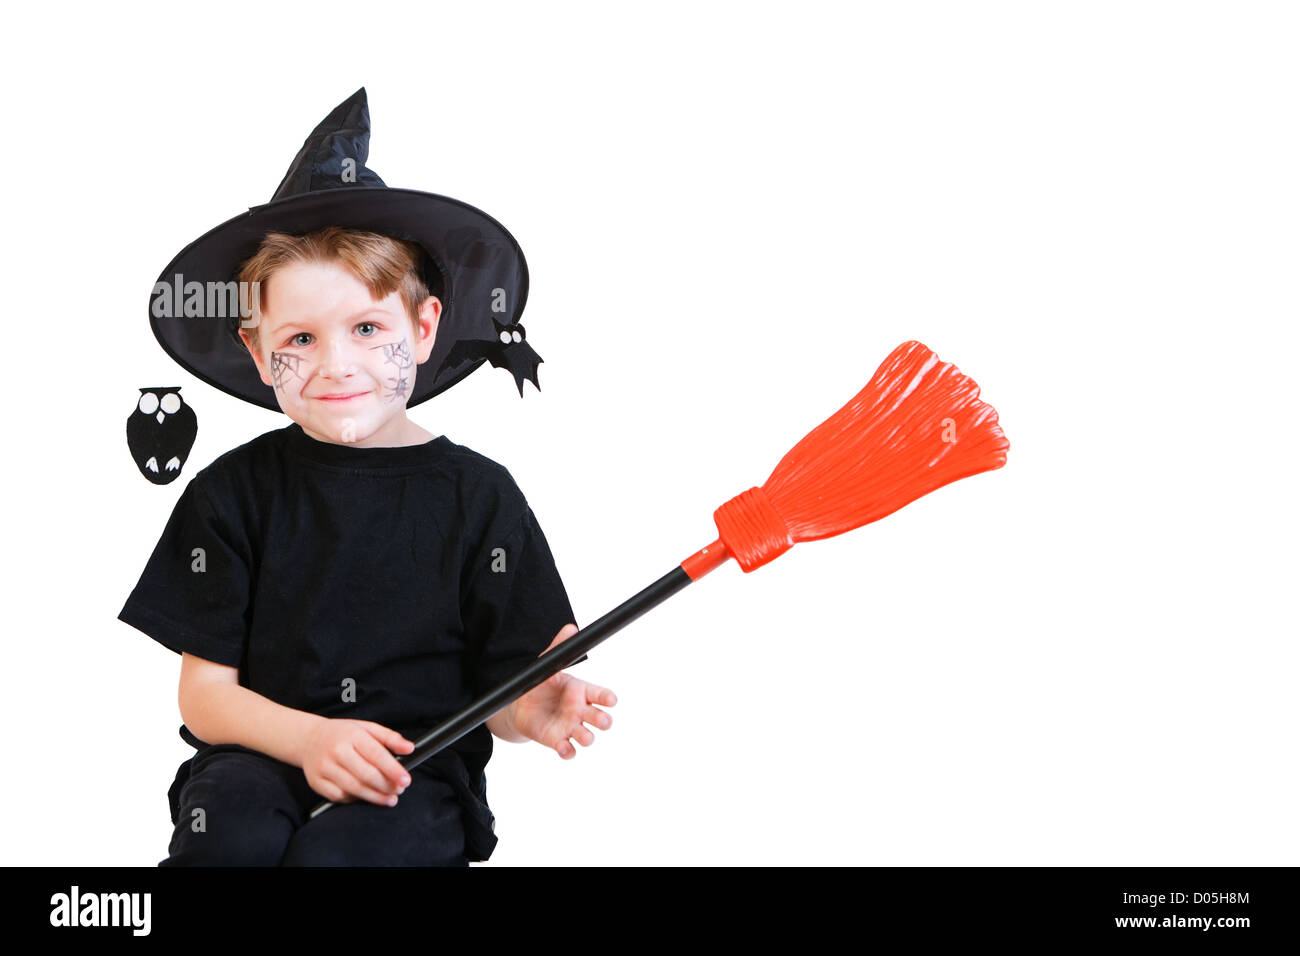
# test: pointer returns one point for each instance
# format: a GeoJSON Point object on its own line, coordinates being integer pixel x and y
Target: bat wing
{"type": "Point", "coordinates": [469, 350]}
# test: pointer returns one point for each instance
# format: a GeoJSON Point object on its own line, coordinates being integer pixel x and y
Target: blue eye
{"type": "Point", "coordinates": [295, 339]}
{"type": "Point", "coordinates": [369, 325]}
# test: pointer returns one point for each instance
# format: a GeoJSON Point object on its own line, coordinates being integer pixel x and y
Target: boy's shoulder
{"type": "Point", "coordinates": [242, 457]}
{"type": "Point", "coordinates": [259, 456]}
{"type": "Point", "coordinates": [476, 463]}
{"type": "Point", "coordinates": [486, 485]}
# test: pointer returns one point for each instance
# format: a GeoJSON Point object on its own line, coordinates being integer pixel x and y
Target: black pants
{"type": "Point", "coordinates": [255, 812]}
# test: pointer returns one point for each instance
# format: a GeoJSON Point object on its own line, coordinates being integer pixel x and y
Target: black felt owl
{"type": "Point", "coordinates": [160, 433]}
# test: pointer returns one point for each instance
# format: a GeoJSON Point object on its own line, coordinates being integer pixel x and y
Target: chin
{"type": "Point", "coordinates": [349, 430]}
{"type": "Point", "coordinates": [361, 429]}
{"type": "Point", "coordinates": [341, 430]}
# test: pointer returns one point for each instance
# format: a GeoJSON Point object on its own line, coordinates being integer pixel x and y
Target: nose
{"type": "Point", "coordinates": [337, 360]}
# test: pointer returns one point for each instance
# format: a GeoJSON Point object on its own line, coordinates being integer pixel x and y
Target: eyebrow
{"type": "Point", "coordinates": [276, 329]}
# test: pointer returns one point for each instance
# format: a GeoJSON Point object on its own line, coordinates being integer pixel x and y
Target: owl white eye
{"type": "Point", "coordinates": [170, 403]}
{"type": "Point", "coordinates": [148, 403]}
{"type": "Point", "coordinates": [505, 338]}
{"type": "Point", "coordinates": [518, 337]}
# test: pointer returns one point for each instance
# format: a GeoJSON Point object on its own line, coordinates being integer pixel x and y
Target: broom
{"type": "Point", "coordinates": [916, 426]}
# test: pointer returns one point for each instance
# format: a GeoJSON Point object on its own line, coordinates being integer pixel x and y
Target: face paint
{"type": "Point", "coordinates": [283, 367]}
{"type": "Point", "coordinates": [399, 355]}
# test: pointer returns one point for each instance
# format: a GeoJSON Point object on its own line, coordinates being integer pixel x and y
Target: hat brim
{"type": "Point", "coordinates": [476, 255]}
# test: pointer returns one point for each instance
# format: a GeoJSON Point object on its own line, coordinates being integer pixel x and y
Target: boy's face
{"type": "Point", "coordinates": [342, 365]}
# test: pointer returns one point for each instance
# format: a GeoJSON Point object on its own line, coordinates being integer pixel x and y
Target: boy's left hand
{"type": "Point", "coordinates": [557, 709]}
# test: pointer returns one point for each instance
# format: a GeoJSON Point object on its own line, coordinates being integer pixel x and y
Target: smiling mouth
{"type": "Point", "coordinates": [341, 398]}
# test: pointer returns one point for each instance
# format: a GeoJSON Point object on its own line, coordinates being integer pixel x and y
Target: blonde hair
{"type": "Point", "coordinates": [383, 264]}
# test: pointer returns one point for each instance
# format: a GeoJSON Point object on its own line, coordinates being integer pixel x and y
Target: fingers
{"type": "Point", "coordinates": [373, 769]}
{"type": "Point", "coordinates": [351, 787]}
{"type": "Point", "coordinates": [357, 774]}
{"type": "Point", "coordinates": [328, 789]}
{"type": "Point", "coordinates": [389, 738]}
{"type": "Point", "coordinates": [591, 715]}
{"type": "Point", "coordinates": [597, 718]}
{"type": "Point", "coordinates": [350, 759]}
{"type": "Point", "coordinates": [580, 734]}
{"type": "Point", "coordinates": [337, 784]}
{"type": "Point", "coordinates": [600, 695]}
{"type": "Point", "coordinates": [393, 776]}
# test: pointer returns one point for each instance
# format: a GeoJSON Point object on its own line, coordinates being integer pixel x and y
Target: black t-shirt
{"type": "Point", "coordinates": [386, 584]}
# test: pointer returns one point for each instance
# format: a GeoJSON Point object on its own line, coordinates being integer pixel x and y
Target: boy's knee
{"type": "Point", "coordinates": [424, 829]}
{"type": "Point", "coordinates": [236, 812]}
{"type": "Point", "coordinates": [257, 838]}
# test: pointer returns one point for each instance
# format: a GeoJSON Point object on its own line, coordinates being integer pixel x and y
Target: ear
{"type": "Point", "coordinates": [427, 329]}
{"type": "Point", "coordinates": [257, 357]}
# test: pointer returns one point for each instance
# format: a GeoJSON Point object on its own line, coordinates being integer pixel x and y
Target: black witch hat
{"type": "Point", "coordinates": [471, 263]}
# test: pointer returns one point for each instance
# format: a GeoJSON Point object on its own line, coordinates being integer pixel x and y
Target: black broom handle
{"type": "Point", "coordinates": [552, 662]}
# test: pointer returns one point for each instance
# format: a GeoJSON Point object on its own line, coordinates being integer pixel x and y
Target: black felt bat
{"type": "Point", "coordinates": [508, 350]}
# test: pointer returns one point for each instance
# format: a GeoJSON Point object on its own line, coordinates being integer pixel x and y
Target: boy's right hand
{"type": "Point", "coordinates": [346, 759]}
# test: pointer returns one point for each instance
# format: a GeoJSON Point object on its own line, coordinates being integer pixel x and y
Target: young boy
{"type": "Point", "coordinates": [339, 586]}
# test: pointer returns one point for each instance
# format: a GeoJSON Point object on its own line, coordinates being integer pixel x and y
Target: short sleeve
{"type": "Point", "coordinates": [515, 605]}
{"type": "Point", "coordinates": [194, 593]}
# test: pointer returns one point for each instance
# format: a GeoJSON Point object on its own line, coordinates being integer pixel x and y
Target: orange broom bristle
{"type": "Point", "coordinates": [916, 426]}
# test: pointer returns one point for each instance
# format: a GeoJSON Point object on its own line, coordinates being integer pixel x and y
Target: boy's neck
{"type": "Point", "coordinates": [398, 432]}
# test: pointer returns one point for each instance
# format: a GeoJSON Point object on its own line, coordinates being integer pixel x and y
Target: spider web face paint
{"type": "Point", "coordinates": [284, 365]}
{"type": "Point", "coordinates": [397, 354]}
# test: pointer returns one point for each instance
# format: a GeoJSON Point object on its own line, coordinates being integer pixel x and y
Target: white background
{"type": "Point", "coordinates": [731, 214]}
